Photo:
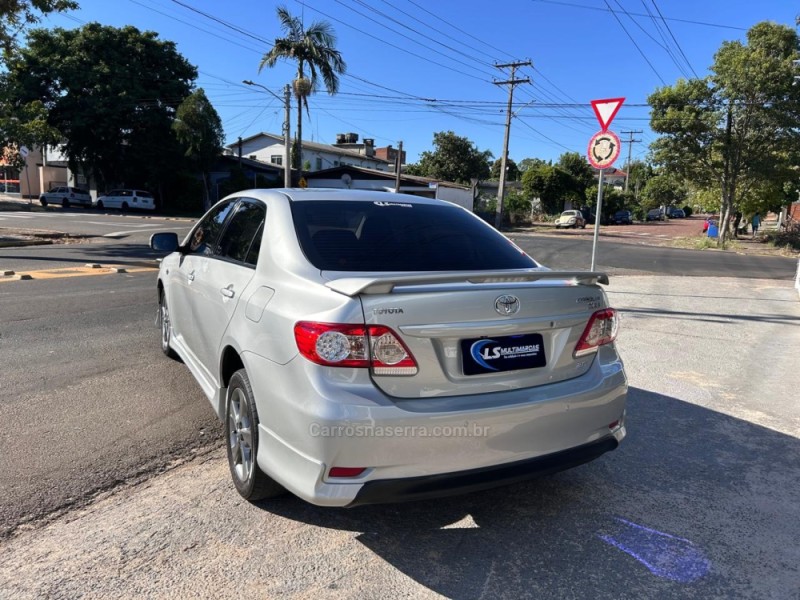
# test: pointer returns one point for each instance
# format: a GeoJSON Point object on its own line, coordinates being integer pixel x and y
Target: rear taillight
{"type": "Point", "coordinates": [361, 346]}
{"type": "Point", "coordinates": [601, 329]}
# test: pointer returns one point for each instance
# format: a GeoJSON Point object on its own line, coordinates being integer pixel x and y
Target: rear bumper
{"type": "Point", "coordinates": [427, 447]}
{"type": "Point", "coordinates": [462, 482]}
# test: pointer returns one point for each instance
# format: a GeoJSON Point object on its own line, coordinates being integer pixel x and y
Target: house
{"type": "Point", "coordinates": [358, 178]}
{"type": "Point", "coordinates": [45, 167]}
{"type": "Point", "coordinates": [269, 148]}
{"type": "Point", "coordinates": [613, 177]}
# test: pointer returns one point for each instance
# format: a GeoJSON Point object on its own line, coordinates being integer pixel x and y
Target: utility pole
{"type": "Point", "coordinates": [398, 163]}
{"type": "Point", "coordinates": [501, 190]}
{"type": "Point", "coordinates": [630, 141]}
{"type": "Point", "coordinates": [287, 168]}
{"type": "Point", "coordinates": [287, 103]}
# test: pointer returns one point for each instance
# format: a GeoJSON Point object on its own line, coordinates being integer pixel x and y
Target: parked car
{"type": "Point", "coordinates": [623, 217]}
{"type": "Point", "coordinates": [126, 199]}
{"type": "Point", "coordinates": [66, 196]}
{"type": "Point", "coordinates": [588, 216]}
{"type": "Point", "coordinates": [655, 214]}
{"type": "Point", "coordinates": [571, 218]}
{"type": "Point", "coordinates": [365, 347]}
{"type": "Point", "coordinates": [674, 212]}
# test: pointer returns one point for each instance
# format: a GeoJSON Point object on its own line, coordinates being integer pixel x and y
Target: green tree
{"type": "Point", "coordinates": [639, 172]}
{"type": "Point", "coordinates": [735, 129]}
{"type": "Point", "coordinates": [512, 171]}
{"type": "Point", "coordinates": [112, 94]}
{"type": "Point", "coordinates": [22, 123]}
{"type": "Point", "coordinates": [663, 190]}
{"type": "Point", "coordinates": [454, 159]}
{"type": "Point", "coordinates": [199, 129]}
{"type": "Point", "coordinates": [529, 163]}
{"type": "Point", "coordinates": [16, 15]}
{"type": "Point", "coordinates": [550, 184]}
{"type": "Point", "coordinates": [576, 165]}
{"type": "Point", "coordinates": [313, 48]}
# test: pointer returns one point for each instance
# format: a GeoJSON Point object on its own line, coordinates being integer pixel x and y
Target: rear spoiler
{"type": "Point", "coordinates": [352, 286]}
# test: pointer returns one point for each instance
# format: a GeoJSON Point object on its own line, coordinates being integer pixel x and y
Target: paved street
{"type": "Point", "coordinates": [698, 502]}
{"type": "Point", "coordinates": [88, 399]}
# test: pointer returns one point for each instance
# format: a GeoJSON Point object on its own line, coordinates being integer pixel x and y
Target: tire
{"type": "Point", "coordinates": [166, 327]}
{"type": "Point", "coordinates": [241, 437]}
{"type": "Point", "coordinates": [100, 204]}
{"type": "Point", "coordinates": [124, 207]}
{"type": "Point", "coordinates": [43, 201]}
{"type": "Point", "coordinates": [583, 226]}
{"type": "Point", "coordinates": [65, 203]}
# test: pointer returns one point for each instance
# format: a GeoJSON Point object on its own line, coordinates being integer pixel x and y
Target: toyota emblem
{"type": "Point", "coordinates": [507, 305]}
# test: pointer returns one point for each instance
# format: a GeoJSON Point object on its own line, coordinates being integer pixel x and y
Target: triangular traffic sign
{"type": "Point", "coordinates": [606, 110]}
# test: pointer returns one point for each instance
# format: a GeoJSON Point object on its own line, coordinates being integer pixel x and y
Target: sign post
{"type": "Point", "coordinates": [604, 149]}
{"type": "Point", "coordinates": [23, 152]}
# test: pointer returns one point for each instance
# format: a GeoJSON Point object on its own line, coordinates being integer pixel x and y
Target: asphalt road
{"type": "Point", "coordinates": [123, 239]}
{"type": "Point", "coordinates": [88, 400]}
{"type": "Point", "coordinates": [699, 502]}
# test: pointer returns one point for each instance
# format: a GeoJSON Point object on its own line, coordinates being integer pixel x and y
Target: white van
{"type": "Point", "coordinates": [126, 199]}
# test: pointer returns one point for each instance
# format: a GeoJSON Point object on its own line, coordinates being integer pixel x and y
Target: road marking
{"type": "Point", "coordinates": [78, 272]}
{"type": "Point", "coordinates": [13, 216]}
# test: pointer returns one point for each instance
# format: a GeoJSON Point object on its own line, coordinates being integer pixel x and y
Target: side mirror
{"type": "Point", "coordinates": [164, 242]}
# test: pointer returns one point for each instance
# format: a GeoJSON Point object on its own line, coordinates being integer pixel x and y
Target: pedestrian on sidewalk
{"type": "Point", "coordinates": [756, 223]}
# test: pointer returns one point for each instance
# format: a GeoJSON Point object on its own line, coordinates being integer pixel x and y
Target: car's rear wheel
{"type": "Point", "coordinates": [241, 434]}
{"type": "Point", "coordinates": [124, 207]}
{"type": "Point", "coordinates": [65, 203]}
{"type": "Point", "coordinates": [166, 327]}
{"type": "Point", "coordinates": [43, 201]}
{"type": "Point", "coordinates": [100, 204]}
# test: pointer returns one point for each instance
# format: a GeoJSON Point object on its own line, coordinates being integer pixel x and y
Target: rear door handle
{"type": "Point", "coordinates": [227, 291]}
{"type": "Point", "coordinates": [190, 276]}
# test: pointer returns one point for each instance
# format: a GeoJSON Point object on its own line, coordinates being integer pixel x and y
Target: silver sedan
{"type": "Point", "coordinates": [365, 347]}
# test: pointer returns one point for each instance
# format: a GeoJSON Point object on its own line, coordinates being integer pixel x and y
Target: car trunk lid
{"type": "Point", "coordinates": [479, 332]}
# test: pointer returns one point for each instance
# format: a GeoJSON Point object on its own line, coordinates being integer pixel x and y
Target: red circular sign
{"type": "Point", "coordinates": [604, 148]}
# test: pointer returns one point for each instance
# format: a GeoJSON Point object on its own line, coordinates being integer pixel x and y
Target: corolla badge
{"type": "Point", "coordinates": [506, 305]}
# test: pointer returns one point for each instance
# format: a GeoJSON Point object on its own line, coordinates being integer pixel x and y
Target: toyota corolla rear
{"type": "Point", "coordinates": [433, 357]}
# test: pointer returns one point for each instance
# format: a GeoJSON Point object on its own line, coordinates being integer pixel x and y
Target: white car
{"type": "Point", "coordinates": [66, 196]}
{"type": "Point", "coordinates": [571, 218]}
{"type": "Point", "coordinates": [126, 199]}
{"type": "Point", "coordinates": [365, 347]}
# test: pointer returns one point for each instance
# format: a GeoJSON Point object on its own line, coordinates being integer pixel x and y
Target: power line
{"type": "Point", "coordinates": [673, 37]}
{"type": "Point", "coordinates": [633, 41]}
{"type": "Point", "coordinates": [596, 8]}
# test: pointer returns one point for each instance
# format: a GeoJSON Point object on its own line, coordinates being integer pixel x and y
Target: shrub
{"type": "Point", "coordinates": [788, 237]}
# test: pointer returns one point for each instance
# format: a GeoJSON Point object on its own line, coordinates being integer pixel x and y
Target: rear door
{"type": "Point", "coordinates": [199, 250]}
{"type": "Point", "coordinates": [221, 278]}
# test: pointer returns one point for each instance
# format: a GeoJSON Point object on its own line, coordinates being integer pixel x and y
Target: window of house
{"type": "Point", "coordinates": [276, 159]}
{"type": "Point", "coordinates": [319, 163]}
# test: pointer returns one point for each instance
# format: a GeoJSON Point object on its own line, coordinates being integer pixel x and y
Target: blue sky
{"type": "Point", "coordinates": [416, 67]}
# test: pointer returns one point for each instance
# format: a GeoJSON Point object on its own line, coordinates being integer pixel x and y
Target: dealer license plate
{"type": "Point", "coordinates": [503, 353]}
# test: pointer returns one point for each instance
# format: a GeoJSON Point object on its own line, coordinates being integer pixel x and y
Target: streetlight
{"type": "Point", "coordinates": [287, 170]}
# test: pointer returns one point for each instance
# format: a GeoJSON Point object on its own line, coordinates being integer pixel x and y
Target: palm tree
{"type": "Point", "coordinates": [314, 49]}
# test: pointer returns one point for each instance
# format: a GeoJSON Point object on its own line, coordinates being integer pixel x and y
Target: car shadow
{"type": "Point", "coordinates": [693, 502]}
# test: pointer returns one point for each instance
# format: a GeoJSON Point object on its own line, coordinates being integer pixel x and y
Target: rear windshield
{"type": "Point", "coordinates": [396, 236]}
{"type": "Point", "coordinates": [142, 194]}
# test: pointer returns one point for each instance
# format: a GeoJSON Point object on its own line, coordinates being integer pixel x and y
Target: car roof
{"type": "Point", "coordinates": [337, 195]}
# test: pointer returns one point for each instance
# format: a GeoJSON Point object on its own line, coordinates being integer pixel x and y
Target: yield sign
{"type": "Point", "coordinates": [606, 110]}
